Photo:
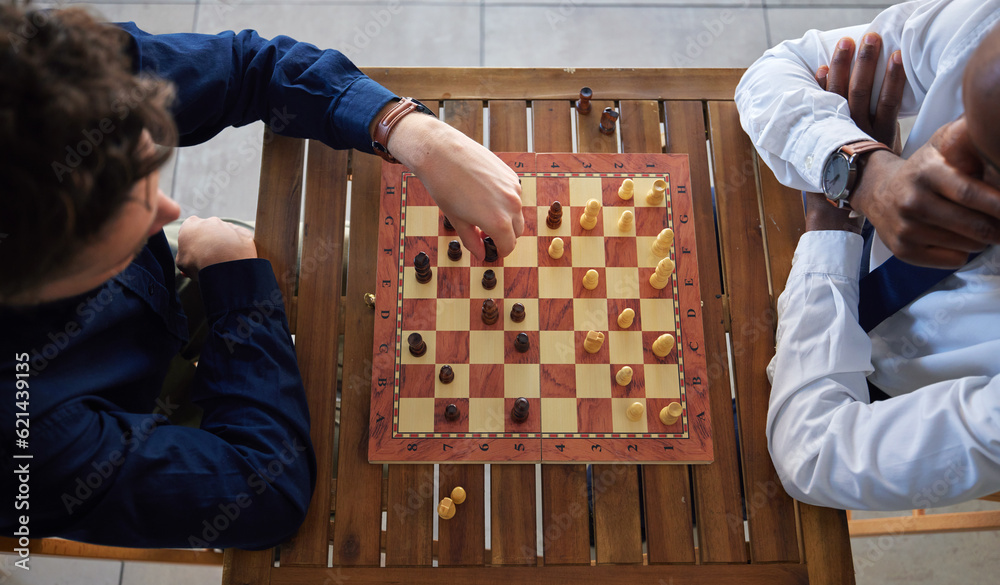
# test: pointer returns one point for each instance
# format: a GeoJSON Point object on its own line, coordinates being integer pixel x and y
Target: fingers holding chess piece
{"type": "Point", "coordinates": [625, 318]}
{"type": "Point", "coordinates": [588, 220]}
{"type": "Point", "coordinates": [591, 279]}
{"type": "Point", "coordinates": [491, 250]}
{"type": "Point", "coordinates": [593, 342]}
{"type": "Point", "coordinates": [625, 221]}
{"type": "Point", "coordinates": [664, 239]}
{"type": "Point", "coordinates": [556, 249]}
{"type": "Point", "coordinates": [657, 192]}
{"type": "Point", "coordinates": [663, 345]}
{"type": "Point", "coordinates": [624, 376]}
{"type": "Point", "coordinates": [627, 190]}
{"type": "Point", "coordinates": [661, 276]}
{"type": "Point", "coordinates": [670, 413]}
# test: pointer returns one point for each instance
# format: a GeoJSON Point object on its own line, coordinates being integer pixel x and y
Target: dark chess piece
{"type": "Point", "coordinates": [608, 119]}
{"type": "Point", "coordinates": [451, 412]}
{"type": "Point", "coordinates": [447, 375]}
{"type": "Point", "coordinates": [447, 224]}
{"type": "Point", "coordinates": [517, 313]}
{"type": "Point", "coordinates": [583, 104]}
{"type": "Point", "coordinates": [423, 265]}
{"type": "Point", "coordinates": [521, 343]}
{"type": "Point", "coordinates": [417, 345]}
{"type": "Point", "coordinates": [491, 314]}
{"type": "Point", "coordinates": [520, 411]}
{"type": "Point", "coordinates": [489, 280]}
{"type": "Point", "coordinates": [554, 219]}
{"type": "Point", "coordinates": [454, 250]}
{"type": "Point", "coordinates": [491, 250]}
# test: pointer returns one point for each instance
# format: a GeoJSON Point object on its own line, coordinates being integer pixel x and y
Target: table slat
{"type": "Point", "coordinates": [247, 567]}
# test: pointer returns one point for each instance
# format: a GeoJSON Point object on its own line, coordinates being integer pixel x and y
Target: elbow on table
{"type": "Point", "coordinates": [797, 464]}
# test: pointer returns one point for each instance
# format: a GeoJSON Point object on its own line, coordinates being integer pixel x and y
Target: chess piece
{"type": "Point", "coordinates": [624, 376]}
{"type": "Point", "coordinates": [458, 495]}
{"type": "Point", "coordinates": [521, 343]}
{"type": "Point", "coordinates": [670, 413]}
{"type": "Point", "coordinates": [591, 279]}
{"type": "Point", "coordinates": [661, 276]}
{"type": "Point", "coordinates": [446, 509]}
{"type": "Point", "coordinates": [554, 219]}
{"type": "Point", "coordinates": [451, 412]}
{"type": "Point", "coordinates": [635, 411]}
{"type": "Point", "coordinates": [626, 317]}
{"type": "Point", "coordinates": [447, 224]}
{"type": "Point", "coordinates": [625, 221]}
{"type": "Point", "coordinates": [517, 313]}
{"type": "Point", "coordinates": [454, 251]}
{"type": "Point", "coordinates": [608, 119]}
{"type": "Point", "coordinates": [627, 190]}
{"type": "Point", "coordinates": [417, 345]}
{"type": "Point", "coordinates": [519, 413]}
{"type": "Point", "coordinates": [664, 239]}
{"type": "Point", "coordinates": [489, 280]}
{"type": "Point", "coordinates": [663, 345]}
{"type": "Point", "coordinates": [422, 263]}
{"type": "Point", "coordinates": [491, 250]}
{"type": "Point", "coordinates": [447, 375]}
{"type": "Point", "coordinates": [490, 312]}
{"type": "Point", "coordinates": [556, 249]}
{"type": "Point", "coordinates": [593, 342]}
{"type": "Point", "coordinates": [583, 104]}
{"type": "Point", "coordinates": [589, 218]}
{"type": "Point", "coordinates": [656, 194]}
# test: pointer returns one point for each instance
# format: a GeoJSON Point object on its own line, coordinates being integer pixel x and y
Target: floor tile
{"type": "Point", "coordinates": [792, 23]}
{"type": "Point", "coordinates": [46, 570]}
{"type": "Point", "coordinates": [170, 574]}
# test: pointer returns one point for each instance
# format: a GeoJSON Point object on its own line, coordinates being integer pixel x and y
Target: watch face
{"type": "Point", "coordinates": [835, 176]}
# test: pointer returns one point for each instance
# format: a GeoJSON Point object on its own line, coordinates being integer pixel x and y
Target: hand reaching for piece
{"type": "Point", "coordinates": [203, 242]}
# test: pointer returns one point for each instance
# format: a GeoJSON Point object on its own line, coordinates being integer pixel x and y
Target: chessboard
{"type": "Point", "coordinates": [451, 385]}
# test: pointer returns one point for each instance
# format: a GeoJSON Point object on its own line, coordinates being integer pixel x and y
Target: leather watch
{"type": "Point", "coordinates": [380, 138]}
{"type": "Point", "coordinates": [841, 171]}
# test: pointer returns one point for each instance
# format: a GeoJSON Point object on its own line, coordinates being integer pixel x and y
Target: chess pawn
{"type": "Point", "coordinates": [521, 343]}
{"type": "Point", "coordinates": [458, 495]}
{"type": "Point", "coordinates": [626, 317]}
{"type": "Point", "coordinates": [447, 224]}
{"type": "Point", "coordinates": [418, 347]}
{"type": "Point", "coordinates": [663, 345]}
{"type": "Point", "coordinates": [583, 104]}
{"type": "Point", "coordinates": [625, 221]}
{"type": "Point", "coordinates": [446, 509]}
{"type": "Point", "coordinates": [519, 413]}
{"type": "Point", "coordinates": [635, 411]}
{"type": "Point", "coordinates": [627, 190]}
{"type": "Point", "coordinates": [556, 249]}
{"type": "Point", "coordinates": [447, 375]}
{"type": "Point", "coordinates": [656, 194]}
{"type": "Point", "coordinates": [661, 277]}
{"type": "Point", "coordinates": [517, 313]}
{"type": "Point", "coordinates": [489, 280]}
{"type": "Point", "coordinates": [454, 251]}
{"type": "Point", "coordinates": [593, 342]}
{"type": "Point", "coordinates": [670, 413]}
{"type": "Point", "coordinates": [588, 220]}
{"type": "Point", "coordinates": [554, 219]}
{"type": "Point", "coordinates": [624, 376]}
{"type": "Point", "coordinates": [665, 239]}
{"type": "Point", "coordinates": [422, 265]}
{"type": "Point", "coordinates": [451, 412]}
{"type": "Point", "coordinates": [490, 312]}
{"type": "Point", "coordinates": [608, 119]}
{"type": "Point", "coordinates": [591, 279]}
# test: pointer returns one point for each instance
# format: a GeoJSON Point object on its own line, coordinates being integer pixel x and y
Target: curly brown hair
{"type": "Point", "coordinates": [72, 114]}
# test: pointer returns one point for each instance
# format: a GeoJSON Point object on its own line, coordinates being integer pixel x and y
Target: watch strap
{"type": "Point", "coordinates": [865, 146]}
{"type": "Point", "coordinates": [385, 126]}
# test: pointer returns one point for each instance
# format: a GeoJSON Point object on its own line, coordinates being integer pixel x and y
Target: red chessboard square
{"type": "Point", "coordinates": [648, 357]}
{"type": "Point", "coordinates": [572, 215]}
{"type": "Point", "coordinates": [593, 415]}
{"type": "Point", "coordinates": [558, 381]}
{"type": "Point", "coordinates": [646, 290]}
{"type": "Point", "coordinates": [530, 221]}
{"type": "Point", "coordinates": [419, 314]}
{"type": "Point", "coordinates": [413, 245]}
{"type": "Point", "coordinates": [543, 252]}
{"type": "Point", "coordinates": [416, 193]}
{"type": "Point", "coordinates": [512, 356]}
{"type": "Point", "coordinates": [476, 315]}
{"type": "Point", "coordinates": [650, 221]}
{"type": "Point", "coordinates": [534, 422]}
{"type": "Point", "coordinates": [520, 282]}
{"type": "Point", "coordinates": [551, 189]}
{"type": "Point", "coordinates": [555, 314]}
{"type": "Point", "coordinates": [443, 425]}
{"type": "Point", "coordinates": [452, 347]}
{"type": "Point", "coordinates": [486, 380]}
{"type": "Point", "coordinates": [635, 389]}
{"type": "Point", "coordinates": [609, 192]}
{"type": "Point", "coordinates": [453, 283]}
{"type": "Point", "coordinates": [620, 252]}
{"type": "Point", "coordinates": [601, 292]}
{"type": "Point", "coordinates": [653, 408]}
{"type": "Point", "coordinates": [602, 356]}
{"type": "Point", "coordinates": [615, 308]}
{"type": "Point", "coordinates": [416, 380]}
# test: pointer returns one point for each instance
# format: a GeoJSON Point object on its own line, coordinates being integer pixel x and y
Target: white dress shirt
{"type": "Point", "coordinates": [945, 345]}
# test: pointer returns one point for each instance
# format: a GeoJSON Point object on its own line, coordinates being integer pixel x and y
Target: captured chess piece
{"type": "Point", "coordinates": [454, 251]}
{"type": "Point", "coordinates": [660, 278]}
{"type": "Point", "coordinates": [635, 411]}
{"type": "Point", "coordinates": [554, 219]}
{"type": "Point", "coordinates": [626, 318]}
{"type": "Point", "coordinates": [670, 413]}
{"type": "Point", "coordinates": [521, 343]}
{"type": "Point", "coordinates": [417, 345]}
{"type": "Point", "coordinates": [556, 249]}
{"type": "Point", "coordinates": [447, 375]}
{"type": "Point", "coordinates": [663, 345]}
{"type": "Point", "coordinates": [583, 104]}
{"type": "Point", "coordinates": [593, 342]}
{"type": "Point", "coordinates": [661, 246]}
{"type": "Point", "coordinates": [451, 412]}
{"type": "Point", "coordinates": [422, 264]}
{"type": "Point", "coordinates": [588, 220]}
{"type": "Point", "coordinates": [491, 313]}
{"type": "Point", "coordinates": [608, 119]}
{"type": "Point", "coordinates": [627, 190]}
{"type": "Point", "coordinates": [656, 194]}
{"type": "Point", "coordinates": [625, 221]}
{"type": "Point", "coordinates": [489, 280]}
{"type": "Point", "coordinates": [517, 313]}
{"type": "Point", "coordinates": [624, 376]}
{"type": "Point", "coordinates": [591, 279]}
{"type": "Point", "coordinates": [458, 495]}
{"type": "Point", "coordinates": [447, 509]}
{"type": "Point", "coordinates": [447, 224]}
{"type": "Point", "coordinates": [491, 250]}
{"type": "Point", "coordinates": [519, 413]}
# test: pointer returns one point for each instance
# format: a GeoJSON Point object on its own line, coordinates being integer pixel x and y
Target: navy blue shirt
{"type": "Point", "coordinates": [103, 469]}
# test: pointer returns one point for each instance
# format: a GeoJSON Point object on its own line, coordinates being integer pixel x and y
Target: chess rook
{"type": "Point", "coordinates": [626, 318]}
{"type": "Point", "coordinates": [583, 106]}
{"type": "Point", "coordinates": [417, 345]}
{"type": "Point", "coordinates": [517, 313]}
{"type": "Point", "coordinates": [671, 412]}
{"type": "Point", "coordinates": [656, 194]}
{"type": "Point", "coordinates": [663, 345]}
{"type": "Point", "coordinates": [519, 413]}
{"type": "Point", "coordinates": [454, 250]}
{"type": "Point", "coordinates": [608, 119]}
{"type": "Point", "coordinates": [447, 224]}
{"type": "Point", "coordinates": [588, 220]}
{"type": "Point", "coordinates": [446, 509]}
{"type": "Point", "coordinates": [422, 264]}
{"type": "Point", "coordinates": [458, 495]}
{"type": "Point", "coordinates": [627, 190]}
{"type": "Point", "coordinates": [661, 277]}
{"type": "Point", "coordinates": [591, 279]}
{"type": "Point", "coordinates": [490, 312]}
{"type": "Point", "coordinates": [521, 343]}
{"type": "Point", "coordinates": [624, 376]}
{"type": "Point", "coordinates": [661, 246]}
{"type": "Point", "coordinates": [451, 412]}
{"type": "Point", "coordinates": [447, 375]}
{"type": "Point", "coordinates": [491, 250]}
{"type": "Point", "coordinates": [556, 249]}
{"type": "Point", "coordinates": [625, 221]}
{"type": "Point", "coordinates": [489, 280]}
{"type": "Point", "coordinates": [554, 219]}
{"type": "Point", "coordinates": [635, 411]}
{"type": "Point", "coordinates": [593, 342]}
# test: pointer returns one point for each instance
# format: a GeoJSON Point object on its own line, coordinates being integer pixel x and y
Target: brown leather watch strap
{"type": "Point", "coordinates": [380, 138]}
{"type": "Point", "coordinates": [856, 148]}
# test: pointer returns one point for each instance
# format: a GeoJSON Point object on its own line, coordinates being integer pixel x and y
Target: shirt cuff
{"type": "Point", "coordinates": [830, 252]}
{"type": "Point", "coordinates": [357, 108]}
{"type": "Point", "coordinates": [240, 284]}
{"type": "Point", "coordinates": [818, 142]}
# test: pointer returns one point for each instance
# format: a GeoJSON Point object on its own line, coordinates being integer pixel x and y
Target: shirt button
{"type": "Point", "coordinates": [151, 288]}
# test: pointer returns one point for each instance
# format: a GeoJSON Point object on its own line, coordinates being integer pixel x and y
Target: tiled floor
{"type": "Point", "coordinates": [220, 177]}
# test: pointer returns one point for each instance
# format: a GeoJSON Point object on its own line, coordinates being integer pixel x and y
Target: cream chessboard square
{"type": "Point", "coordinates": [565, 228]}
{"type": "Point", "coordinates": [658, 315]}
{"type": "Point", "coordinates": [588, 252]}
{"type": "Point", "coordinates": [620, 420]}
{"type": "Point", "coordinates": [593, 381]}
{"type": "Point", "coordinates": [428, 358]}
{"type": "Point", "coordinates": [421, 221]}
{"type": "Point", "coordinates": [662, 381]}
{"type": "Point", "coordinates": [583, 189]}
{"type": "Point", "coordinates": [557, 347]}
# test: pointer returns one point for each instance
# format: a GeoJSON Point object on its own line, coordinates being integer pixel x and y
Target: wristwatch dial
{"type": "Point", "coordinates": [835, 176]}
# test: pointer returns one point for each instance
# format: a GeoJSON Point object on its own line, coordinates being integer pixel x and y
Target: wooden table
{"type": "Point", "coordinates": [743, 266]}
